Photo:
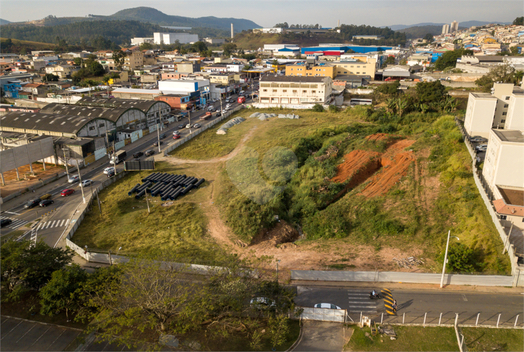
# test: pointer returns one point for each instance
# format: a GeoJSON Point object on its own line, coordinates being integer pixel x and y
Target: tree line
{"type": "Point", "coordinates": [135, 302]}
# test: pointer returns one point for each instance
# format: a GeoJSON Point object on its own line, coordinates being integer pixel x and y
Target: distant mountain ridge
{"type": "Point", "coordinates": [2, 21]}
{"type": "Point", "coordinates": [466, 24]}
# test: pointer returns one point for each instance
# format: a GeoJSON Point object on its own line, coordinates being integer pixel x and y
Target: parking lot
{"type": "Point", "coordinates": [23, 335]}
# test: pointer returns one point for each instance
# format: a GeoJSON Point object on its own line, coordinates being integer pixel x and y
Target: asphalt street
{"type": "Point", "coordinates": [415, 303]}
{"type": "Point", "coordinates": [48, 223]}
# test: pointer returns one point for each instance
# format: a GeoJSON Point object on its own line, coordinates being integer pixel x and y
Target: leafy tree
{"type": "Point", "coordinates": [49, 77]}
{"type": "Point", "coordinates": [519, 21]}
{"type": "Point", "coordinates": [199, 46]}
{"type": "Point", "coordinates": [318, 108]}
{"type": "Point", "coordinates": [96, 69]}
{"type": "Point", "coordinates": [281, 25]}
{"type": "Point", "coordinates": [388, 88]}
{"type": "Point", "coordinates": [449, 58]}
{"type": "Point", "coordinates": [29, 267]}
{"type": "Point", "coordinates": [229, 48]}
{"type": "Point", "coordinates": [146, 46]}
{"type": "Point", "coordinates": [462, 259]}
{"type": "Point", "coordinates": [119, 58]}
{"type": "Point", "coordinates": [429, 37]}
{"type": "Point", "coordinates": [502, 73]}
{"type": "Point", "coordinates": [389, 61]}
{"type": "Point", "coordinates": [60, 293]}
{"type": "Point", "coordinates": [333, 108]}
{"type": "Point", "coordinates": [78, 61]}
{"type": "Point", "coordinates": [430, 92]}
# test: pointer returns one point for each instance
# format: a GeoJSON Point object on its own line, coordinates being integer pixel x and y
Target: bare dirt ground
{"type": "Point", "coordinates": [27, 180]}
{"type": "Point", "coordinates": [278, 243]}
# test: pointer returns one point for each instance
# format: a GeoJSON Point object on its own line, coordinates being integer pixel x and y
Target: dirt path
{"type": "Point", "coordinates": [214, 160]}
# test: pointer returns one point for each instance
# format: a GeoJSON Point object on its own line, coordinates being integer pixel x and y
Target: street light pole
{"type": "Point", "coordinates": [65, 162]}
{"type": "Point", "coordinates": [80, 179]}
{"type": "Point", "coordinates": [278, 261]}
{"type": "Point", "coordinates": [158, 136]}
{"type": "Point", "coordinates": [446, 259]}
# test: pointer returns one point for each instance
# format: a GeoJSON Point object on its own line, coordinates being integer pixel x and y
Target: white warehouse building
{"type": "Point", "coordinates": [171, 38]}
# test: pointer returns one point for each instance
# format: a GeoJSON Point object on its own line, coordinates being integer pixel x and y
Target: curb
{"type": "Point", "coordinates": [40, 322]}
{"type": "Point", "coordinates": [299, 339]}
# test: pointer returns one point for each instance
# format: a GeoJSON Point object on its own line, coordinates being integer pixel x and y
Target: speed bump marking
{"type": "Point", "coordinates": [388, 301]}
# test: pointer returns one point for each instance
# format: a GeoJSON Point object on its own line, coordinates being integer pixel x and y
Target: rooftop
{"type": "Point", "coordinates": [272, 78]}
{"type": "Point", "coordinates": [510, 135]}
{"type": "Point", "coordinates": [88, 112]}
{"type": "Point", "coordinates": [143, 105]}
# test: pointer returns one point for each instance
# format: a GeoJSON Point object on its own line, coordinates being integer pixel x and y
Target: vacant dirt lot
{"type": "Point", "coordinates": [27, 180]}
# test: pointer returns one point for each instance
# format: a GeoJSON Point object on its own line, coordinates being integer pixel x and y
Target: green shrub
{"type": "Point", "coordinates": [318, 108]}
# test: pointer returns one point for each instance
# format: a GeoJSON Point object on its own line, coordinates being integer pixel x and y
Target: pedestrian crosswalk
{"type": "Point", "coordinates": [51, 224]}
{"type": "Point", "coordinates": [16, 223]}
{"type": "Point", "coordinates": [359, 301]}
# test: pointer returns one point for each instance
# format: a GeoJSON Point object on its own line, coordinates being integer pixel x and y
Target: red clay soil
{"type": "Point", "coordinates": [353, 162]}
{"type": "Point", "coordinates": [360, 166]}
{"type": "Point", "coordinates": [27, 180]}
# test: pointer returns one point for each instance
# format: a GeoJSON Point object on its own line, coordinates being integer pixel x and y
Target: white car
{"type": "Point", "coordinates": [108, 170]}
{"type": "Point", "coordinates": [73, 179]}
{"type": "Point", "coordinates": [327, 306]}
{"type": "Point", "coordinates": [86, 182]}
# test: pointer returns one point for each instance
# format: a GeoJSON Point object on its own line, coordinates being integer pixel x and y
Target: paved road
{"type": "Point", "coordinates": [321, 336]}
{"type": "Point", "coordinates": [51, 226]}
{"type": "Point", "coordinates": [22, 335]}
{"type": "Point", "coordinates": [415, 303]}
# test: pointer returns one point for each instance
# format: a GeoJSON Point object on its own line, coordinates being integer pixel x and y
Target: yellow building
{"type": "Point", "coordinates": [355, 67]}
{"type": "Point", "coordinates": [221, 78]}
{"type": "Point", "coordinates": [311, 70]}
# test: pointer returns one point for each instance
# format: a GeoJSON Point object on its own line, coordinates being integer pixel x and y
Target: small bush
{"type": "Point", "coordinates": [318, 108]}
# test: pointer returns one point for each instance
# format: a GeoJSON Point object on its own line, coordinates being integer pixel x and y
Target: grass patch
{"type": "Point", "coordinates": [484, 339]}
{"type": "Point", "coordinates": [125, 222]}
{"type": "Point", "coordinates": [209, 144]}
{"type": "Point", "coordinates": [341, 266]}
{"type": "Point", "coordinates": [13, 235]}
{"type": "Point", "coordinates": [409, 338]}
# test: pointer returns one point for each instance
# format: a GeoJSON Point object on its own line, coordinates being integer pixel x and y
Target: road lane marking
{"type": "Point", "coordinates": [13, 213]}
{"type": "Point", "coordinates": [62, 223]}
{"type": "Point", "coordinates": [67, 222]}
{"type": "Point", "coordinates": [48, 223]}
{"type": "Point", "coordinates": [464, 298]}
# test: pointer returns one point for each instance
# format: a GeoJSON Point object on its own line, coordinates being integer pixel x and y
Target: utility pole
{"type": "Point", "coordinates": [189, 115]}
{"type": "Point", "coordinates": [114, 156]}
{"type": "Point", "coordinates": [99, 205]}
{"type": "Point", "coordinates": [80, 178]}
{"type": "Point", "coordinates": [158, 135]}
{"type": "Point", "coordinates": [278, 261]}
{"type": "Point", "coordinates": [221, 110]}
{"type": "Point", "coordinates": [446, 259]}
{"type": "Point", "coordinates": [65, 162]}
{"type": "Point", "coordinates": [147, 201]}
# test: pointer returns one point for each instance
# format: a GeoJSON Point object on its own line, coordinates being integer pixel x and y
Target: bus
{"type": "Point", "coordinates": [118, 157]}
{"type": "Point", "coordinates": [357, 101]}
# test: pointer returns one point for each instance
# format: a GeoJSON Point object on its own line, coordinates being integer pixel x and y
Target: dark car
{"type": "Point", "coordinates": [32, 203]}
{"type": "Point", "coordinates": [150, 152]}
{"type": "Point", "coordinates": [137, 155]}
{"type": "Point", "coordinates": [111, 173]}
{"type": "Point", "coordinates": [162, 136]}
{"type": "Point", "coordinates": [218, 114]}
{"type": "Point", "coordinates": [6, 222]}
{"type": "Point", "coordinates": [46, 202]}
{"type": "Point", "coordinates": [156, 143]}
{"type": "Point", "coordinates": [181, 127]}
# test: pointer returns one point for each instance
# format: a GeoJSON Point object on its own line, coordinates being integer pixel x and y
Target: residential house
{"type": "Point", "coordinates": [133, 60]}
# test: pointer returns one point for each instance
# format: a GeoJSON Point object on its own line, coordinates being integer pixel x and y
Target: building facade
{"type": "Point", "coordinates": [285, 90]}
{"type": "Point", "coordinates": [307, 70]}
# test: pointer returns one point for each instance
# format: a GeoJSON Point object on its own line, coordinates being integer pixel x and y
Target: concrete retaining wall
{"type": "Point", "coordinates": [324, 314]}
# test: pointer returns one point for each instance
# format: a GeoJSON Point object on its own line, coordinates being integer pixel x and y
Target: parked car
{"type": "Point", "coordinates": [46, 202]}
{"type": "Point", "coordinates": [86, 182]}
{"type": "Point", "coordinates": [482, 147]}
{"type": "Point", "coordinates": [32, 203]}
{"type": "Point", "coordinates": [5, 222]}
{"type": "Point", "coordinates": [137, 155]}
{"type": "Point", "coordinates": [46, 196]}
{"type": "Point", "coordinates": [197, 125]}
{"type": "Point", "coordinates": [73, 179]}
{"type": "Point", "coordinates": [108, 169]}
{"type": "Point", "coordinates": [68, 191]}
{"type": "Point", "coordinates": [327, 306]}
{"type": "Point", "coordinates": [262, 303]}
{"type": "Point", "coordinates": [150, 152]}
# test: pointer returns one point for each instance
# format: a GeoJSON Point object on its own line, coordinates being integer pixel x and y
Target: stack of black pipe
{"type": "Point", "coordinates": [167, 186]}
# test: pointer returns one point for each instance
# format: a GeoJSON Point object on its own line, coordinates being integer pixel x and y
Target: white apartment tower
{"type": "Point", "coordinates": [445, 29]}
{"type": "Point", "coordinates": [454, 26]}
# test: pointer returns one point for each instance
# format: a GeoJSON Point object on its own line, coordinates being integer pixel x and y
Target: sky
{"type": "Point", "coordinates": [268, 12]}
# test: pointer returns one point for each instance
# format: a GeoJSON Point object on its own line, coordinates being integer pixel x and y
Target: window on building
{"type": "Point", "coordinates": [506, 105]}
{"type": "Point", "coordinates": [284, 90]}
{"type": "Point", "coordinates": [295, 91]}
{"type": "Point", "coordinates": [304, 91]}
{"type": "Point", "coordinates": [502, 121]}
{"type": "Point", "coordinates": [313, 91]}
{"type": "Point", "coordinates": [507, 98]}
{"type": "Point", "coordinates": [265, 90]}
{"type": "Point", "coordinates": [274, 90]}
{"type": "Point", "coordinates": [504, 113]}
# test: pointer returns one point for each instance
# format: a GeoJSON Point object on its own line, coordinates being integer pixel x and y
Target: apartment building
{"type": "Point", "coordinates": [134, 59]}
{"type": "Point", "coordinates": [222, 78]}
{"type": "Point", "coordinates": [285, 90]}
{"type": "Point", "coordinates": [504, 161]}
{"type": "Point", "coordinates": [503, 109]}
{"type": "Point", "coordinates": [356, 67]}
{"type": "Point", "coordinates": [61, 71]}
{"type": "Point", "coordinates": [320, 70]}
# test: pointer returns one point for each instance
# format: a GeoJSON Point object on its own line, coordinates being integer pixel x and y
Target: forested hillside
{"type": "Point", "coordinates": [98, 34]}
